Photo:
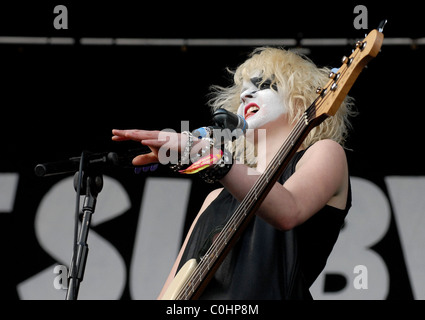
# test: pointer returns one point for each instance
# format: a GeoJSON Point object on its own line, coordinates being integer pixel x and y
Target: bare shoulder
{"type": "Point", "coordinates": [325, 165]}
{"type": "Point", "coordinates": [327, 145]}
{"type": "Point", "coordinates": [326, 151]}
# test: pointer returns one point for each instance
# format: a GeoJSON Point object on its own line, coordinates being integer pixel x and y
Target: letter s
{"type": "Point", "coordinates": [105, 272]}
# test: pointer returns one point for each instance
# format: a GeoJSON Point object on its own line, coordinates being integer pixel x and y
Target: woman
{"type": "Point", "coordinates": [286, 246]}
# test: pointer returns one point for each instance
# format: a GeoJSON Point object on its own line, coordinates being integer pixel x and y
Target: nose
{"type": "Point", "coordinates": [248, 94]}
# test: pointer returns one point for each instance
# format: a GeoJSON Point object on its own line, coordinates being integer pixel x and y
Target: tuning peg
{"type": "Point", "coordinates": [321, 91]}
{"type": "Point", "coordinates": [361, 44]}
{"type": "Point", "coordinates": [382, 25]}
{"type": "Point", "coordinates": [334, 75]}
{"type": "Point", "coordinates": [346, 60]}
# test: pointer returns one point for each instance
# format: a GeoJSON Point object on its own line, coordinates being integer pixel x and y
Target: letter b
{"type": "Point", "coordinates": [366, 224]}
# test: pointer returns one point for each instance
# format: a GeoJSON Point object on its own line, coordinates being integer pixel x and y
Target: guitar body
{"type": "Point", "coordinates": [179, 280]}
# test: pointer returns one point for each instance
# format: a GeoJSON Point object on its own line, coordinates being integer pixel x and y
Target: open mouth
{"type": "Point", "coordinates": [250, 110]}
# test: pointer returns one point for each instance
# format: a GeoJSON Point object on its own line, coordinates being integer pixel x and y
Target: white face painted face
{"type": "Point", "coordinates": [260, 104]}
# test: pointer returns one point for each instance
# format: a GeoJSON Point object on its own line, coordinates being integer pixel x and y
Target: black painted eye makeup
{"type": "Point", "coordinates": [262, 85]}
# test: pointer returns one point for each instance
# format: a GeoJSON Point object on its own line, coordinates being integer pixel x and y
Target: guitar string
{"type": "Point", "coordinates": [235, 221]}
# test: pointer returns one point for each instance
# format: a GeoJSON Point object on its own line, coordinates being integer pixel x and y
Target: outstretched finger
{"type": "Point", "coordinates": [119, 135]}
{"type": "Point", "coordinates": [136, 135]}
{"type": "Point", "coordinates": [119, 138]}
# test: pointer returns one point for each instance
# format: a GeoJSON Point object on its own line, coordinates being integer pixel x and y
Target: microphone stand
{"type": "Point", "coordinates": [90, 184]}
{"type": "Point", "coordinates": [88, 179]}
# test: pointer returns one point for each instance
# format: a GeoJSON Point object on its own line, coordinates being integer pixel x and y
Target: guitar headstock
{"type": "Point", "coordinates": [333, 94]}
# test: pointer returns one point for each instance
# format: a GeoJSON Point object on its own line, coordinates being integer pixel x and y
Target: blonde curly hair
{"type": "Point", "coordinates": [298, 77]}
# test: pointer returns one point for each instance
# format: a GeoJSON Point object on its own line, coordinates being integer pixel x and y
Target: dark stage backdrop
{"type": "Point", "coordinates": [60, 100]}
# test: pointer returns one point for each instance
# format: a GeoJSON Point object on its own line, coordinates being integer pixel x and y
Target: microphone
{"type": "Point", "coordinates": [59, 167]}
{"type": "Point", "coordinates": [229, 120]}
{"type": "Point", "coordinates": [97, 160]}
{"type": "Point", "coordinates": [224, 119]}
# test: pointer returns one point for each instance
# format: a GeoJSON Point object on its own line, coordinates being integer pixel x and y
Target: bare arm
{"type": "Point", "coordinates": [321, 178]}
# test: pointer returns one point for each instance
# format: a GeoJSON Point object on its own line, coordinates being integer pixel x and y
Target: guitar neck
{"type": "Point", "coordinates": [246, 210]}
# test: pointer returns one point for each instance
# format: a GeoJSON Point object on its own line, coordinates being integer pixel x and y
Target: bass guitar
{"type": "Point", "coordinates": [194, 276]}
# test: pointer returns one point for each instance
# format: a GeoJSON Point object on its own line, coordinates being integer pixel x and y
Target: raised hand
{"type": "Point", "coordinates": [155, 140]}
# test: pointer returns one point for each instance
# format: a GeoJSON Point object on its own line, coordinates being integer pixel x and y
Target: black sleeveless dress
{"type": "Point", "coordinates": [267, 263]}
